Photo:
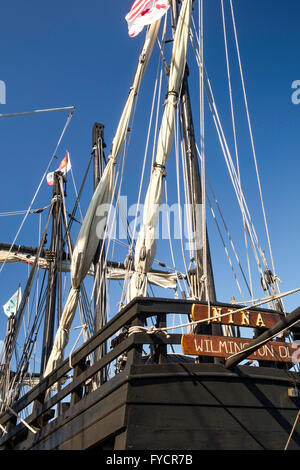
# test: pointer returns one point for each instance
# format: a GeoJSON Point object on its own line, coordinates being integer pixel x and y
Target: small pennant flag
{"type": "Point", "coordinates": [64, 167]}
{"type": "Point", "coordinates": [144, 12]}
{"type": "Point", "coordinates": [11, 307]}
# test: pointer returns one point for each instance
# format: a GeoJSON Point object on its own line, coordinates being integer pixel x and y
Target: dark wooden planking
{"type": "Point", "coordinates": [94, 406]}
{"type": "Point", "coordinates": [201, 395]}
{"type": "Point", "coordinates": [211, 387]}
{"type": "Point", "coordinates": [157, 427]}
{"type": "Point", "coordinates": [77, 382]}
{"type": "Point", "coordinates": [111, 327]}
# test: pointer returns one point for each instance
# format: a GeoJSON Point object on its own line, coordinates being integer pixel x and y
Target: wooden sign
{"type": "Point", "coordinates": [248, 318]}
{"type": "Point", "coordinates": [225, 346]}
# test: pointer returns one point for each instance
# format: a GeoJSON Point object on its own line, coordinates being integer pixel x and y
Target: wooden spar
{"type": "Point", "coordinates": [27, 250]}
{"type": "Point", "coordinates": [52, 274]}
{"type": "Point", "coordinates": [100, 287]}
{"type": "Point", "coordinates": [38, 111]}
{"type": "Point", "coordinates": [287, 322]}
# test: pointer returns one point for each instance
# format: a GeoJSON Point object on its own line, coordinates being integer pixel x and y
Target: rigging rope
{"type": "Point", "coordinates": [228, 160]}
{"type": "Point", "coordinates": [22, 212]}
{"type": "Point", "coordinates": [235, 138]}
{"type": "Point", "coordinates": [176, 137]}
{"type": "Point", "coordinates": [39, 186]}
{"type": "Point", "coordinates": [224, 245]}
{"type": "Point", "coordinates": [251, 136]}
{"type": "Point", "coordinates": [232, 173]}
{"type": "Point", "coordinates": [170, 239]}
{"type": "Point", "coordinates": [228, 235]}
{"type": "Point", "coordinates": [31, 429]}
{"type": "Point", "coordinates": [157, 86]}
{"type": "Point", "coordinates": [292, 430]}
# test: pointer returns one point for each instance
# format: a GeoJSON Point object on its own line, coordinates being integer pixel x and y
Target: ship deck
{"type": "Point", "coordinates": [169, 402]}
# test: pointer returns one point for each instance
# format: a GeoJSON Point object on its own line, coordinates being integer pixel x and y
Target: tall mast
{"type": "Point", "coordinates": [195, 197]}
{"type": "Point", "coordinates": [53, 258]}
{"type": "Point", "coordinates": [100, 285]}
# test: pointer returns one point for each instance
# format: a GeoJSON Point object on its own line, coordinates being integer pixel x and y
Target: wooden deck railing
{"type": "Point", "coordinates": [39, 402]}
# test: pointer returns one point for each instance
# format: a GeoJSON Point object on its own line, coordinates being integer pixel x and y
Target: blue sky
{"type": "Point", "coordinates": [78, 53]}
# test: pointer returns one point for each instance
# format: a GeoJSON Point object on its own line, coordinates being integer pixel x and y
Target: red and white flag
{"type": "Point", "coordinates": [64, 167]}
{"type": "Point", "coordinates": [144, 12]}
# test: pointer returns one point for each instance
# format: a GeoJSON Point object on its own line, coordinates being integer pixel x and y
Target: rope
{"type": "Point", "coordinates": [150, 331]}
{"type": "Point", "coordinates": [228, 235]}
{"type": "Point", "coordinates": [231, 169]}
{"type": "Point", "coordinates": [19, 417]}
{"type": "Point", "coordinates": [261, 302]}
{"type": "Point", "coordinates": [158, 85]}
{"type": "Point", "coordinates": [261, 343]}
{"type": "Point", "coordinates": [292, 431]}
{"type": "Point", "coordinates": [76, 193]}
{"type": "Point", "coordinates": [170, 238]}
{"type": "Point", "coordinates": [225, 248]}
{"type": "Point", "coordinates": [83, 330]}
{"type": "Point", "coordinates": [251, 136]}
{"type": "Point", "coordinates": [176, 134]}
{"type": "Point", "coordinates": [235, 138]}
{"type": "Point", "coordinates": [22, 212]}
{"type": "Point", "coordinates": [121, 165]}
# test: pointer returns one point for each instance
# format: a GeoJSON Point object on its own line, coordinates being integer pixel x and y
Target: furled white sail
{"type": "Point", "coordinates": [165, 280]}
{"type": "Point", "coordinates": [83, 254]}
{"type": "Point", "coordinates": [146, 242]}
{"type": "Point", "coordinates": [87, 241]}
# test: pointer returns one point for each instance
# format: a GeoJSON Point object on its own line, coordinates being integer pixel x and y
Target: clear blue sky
{"type": "Point", "coordinates": [78, 53]}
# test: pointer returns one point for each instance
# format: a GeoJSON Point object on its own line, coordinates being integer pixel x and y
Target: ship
{"type": "Point", "coordinates": [122, 367]}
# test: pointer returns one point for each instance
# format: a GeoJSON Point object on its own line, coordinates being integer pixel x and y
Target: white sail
{"type": "Point", "coordinates": [146, 242]}
{"type": "Point", "coordinates": [88, 240]}
{"type": "Point", "coordinates": [165, 280]}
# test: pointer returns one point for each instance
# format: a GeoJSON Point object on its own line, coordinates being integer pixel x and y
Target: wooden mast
{"type": "Point", "coordinates": [53, 258]}
{"type": "Point", "coordinates": [100, 287]}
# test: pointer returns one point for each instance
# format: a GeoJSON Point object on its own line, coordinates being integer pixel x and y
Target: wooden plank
{"type": "Point", "coordinates": [248, 318]}
{"type": "Point", "coordinates": [221, 346]}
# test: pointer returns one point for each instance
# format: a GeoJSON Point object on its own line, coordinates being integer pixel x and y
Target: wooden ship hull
{"type": "Point", "coordinates": [166, 401]}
